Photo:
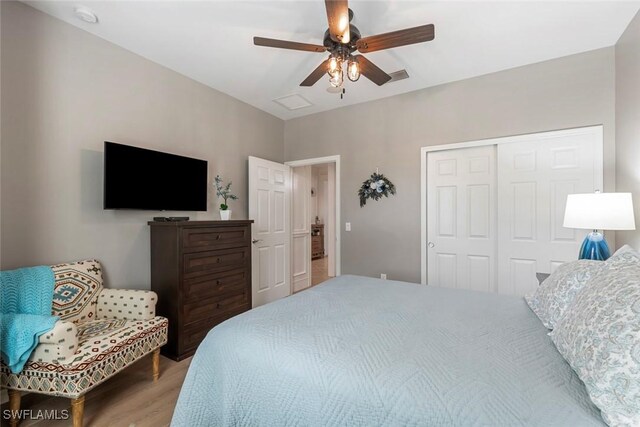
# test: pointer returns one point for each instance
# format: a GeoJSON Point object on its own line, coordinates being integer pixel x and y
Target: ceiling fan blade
{"type": "Point", "coordinates": [338, 17]}
{"type": "Point", "coordinates": [316, 74]}
{"type": "Point", "coordinates": [421, 34]}
{"type": "Point", "coordinates": [371, 71]}
{"type": "Point", "coordinates": [283, 44]}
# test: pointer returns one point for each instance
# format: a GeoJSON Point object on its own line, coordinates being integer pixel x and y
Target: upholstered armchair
{"type": "Point", "coordinates": [100, 333]}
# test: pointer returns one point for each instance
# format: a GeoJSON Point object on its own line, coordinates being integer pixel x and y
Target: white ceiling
{"type": "Point", "coordinates": [211, 41]}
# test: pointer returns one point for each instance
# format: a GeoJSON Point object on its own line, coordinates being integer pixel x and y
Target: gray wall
{"type": "Point", "coordinates": [568, 92]}
{"type": "Point", "coordinates": [64, 92]}
{"type": "Point", "coordinates": [628, 122]}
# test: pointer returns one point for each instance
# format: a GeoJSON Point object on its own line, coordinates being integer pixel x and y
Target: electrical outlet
{"type": "Point", "coordinates": [383, 276]}
{"type": "Point", "coordinates": [347, 226]}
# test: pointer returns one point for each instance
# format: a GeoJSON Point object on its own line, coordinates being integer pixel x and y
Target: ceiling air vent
{"type": "Point", "coordinates": [398, 75]}
{"type": "Point", "coordinates": [293, 102]}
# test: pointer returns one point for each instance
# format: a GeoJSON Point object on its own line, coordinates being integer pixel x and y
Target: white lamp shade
{"type": "Point", "coordinates": [600, 211]}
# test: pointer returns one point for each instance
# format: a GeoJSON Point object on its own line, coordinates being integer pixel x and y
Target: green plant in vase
{"type": "Point", "coordinates": [224, 192]}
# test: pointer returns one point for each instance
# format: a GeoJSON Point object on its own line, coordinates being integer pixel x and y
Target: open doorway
{"type": "Point", "coordinates": [315, 210]}
{"type": "Point", "coordinates": [322, 187]}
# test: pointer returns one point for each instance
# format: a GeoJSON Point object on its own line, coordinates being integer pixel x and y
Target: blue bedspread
{"type": "Point", "coordinates": [26, 297]}
{"type": "Point", "coordinates": [356, 351]}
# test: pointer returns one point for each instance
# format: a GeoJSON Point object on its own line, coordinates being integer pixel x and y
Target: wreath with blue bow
{"type": "Point", "coordinates": [375, 188]}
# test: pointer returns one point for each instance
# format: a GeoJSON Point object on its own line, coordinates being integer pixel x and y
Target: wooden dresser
{"type": "Point", "coordinates": [317, 241]}
{"type": "Point", "coordinates": [201, 271]}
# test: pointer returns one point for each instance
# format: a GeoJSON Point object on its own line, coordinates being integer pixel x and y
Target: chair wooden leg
{"type": "Point", "coordinates": [155, 360]}
{"type": "Point", "coordinates": [14, 407]}
{"type": "Point", "coordinates": [77, 411]}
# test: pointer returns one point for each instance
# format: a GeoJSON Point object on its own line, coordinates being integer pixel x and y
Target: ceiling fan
{"type": "Point", "coordinates": [342, 39]}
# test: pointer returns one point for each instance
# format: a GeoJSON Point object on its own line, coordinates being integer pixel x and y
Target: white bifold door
{"type": "Point", "coordinates": [495, 212]}
{"type": "Point", "coordinates": [270, 208]}
{"type": "Point", "coordinates": [461, 200]}
{"type": "Point", "coordinates": [535, 176]}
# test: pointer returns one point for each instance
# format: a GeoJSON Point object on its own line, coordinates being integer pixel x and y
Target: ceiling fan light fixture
{"type": "Point", "coordinates": [353, 70]}
{"type": "Point", "coordinates": [333, 65]}
{"type": "Point", "coordinates": [336, 78]}
{"type": "Point", "coordinates": [342, 39]}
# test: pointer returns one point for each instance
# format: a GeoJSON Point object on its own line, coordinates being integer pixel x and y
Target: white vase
{"type": "Point", "coordinates": [225, 215]}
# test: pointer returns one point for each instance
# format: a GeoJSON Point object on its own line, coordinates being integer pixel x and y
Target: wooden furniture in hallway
{"type": "Point", "coordinates": [201, 271]}
{"type": "Point", "coordinates": [317, 241]}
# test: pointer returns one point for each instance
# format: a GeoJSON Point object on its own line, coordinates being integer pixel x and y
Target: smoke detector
{"type": "Point", "coordinates": [86, 14]}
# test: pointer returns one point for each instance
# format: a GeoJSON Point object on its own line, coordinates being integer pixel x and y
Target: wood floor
{"type": "Point", "coordinates": [130, 399]}
{"type": "Point", "coordinates": [319, 271]}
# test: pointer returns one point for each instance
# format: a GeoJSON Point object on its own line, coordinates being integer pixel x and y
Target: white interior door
{"type": "Point", "coordinates": [535, 175]}
{"type": "Point", "coordinates": [301, 233]}
{"type": "Point", "coordinates": [270, 208]}
{"type": "Point", "coordinates": [461, 218]}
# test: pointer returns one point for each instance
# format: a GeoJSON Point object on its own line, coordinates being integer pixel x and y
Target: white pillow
{"type": "Point", "coordinates": [559, 290]}
{"type": "Point", "coordinates": [600, 338]}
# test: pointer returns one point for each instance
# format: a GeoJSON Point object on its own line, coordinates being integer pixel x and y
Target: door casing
{"type": "Point", "coordinates": [318, 161]}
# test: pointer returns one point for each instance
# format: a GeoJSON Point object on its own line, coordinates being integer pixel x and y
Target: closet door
{"type": "Point", "coordinates": [535, 176]}
{"type": "Point", "coordinates": [461, 218]}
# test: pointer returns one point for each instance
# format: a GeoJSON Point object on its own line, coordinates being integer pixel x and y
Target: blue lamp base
{"type": "Point", "coordinates": [594, 247]}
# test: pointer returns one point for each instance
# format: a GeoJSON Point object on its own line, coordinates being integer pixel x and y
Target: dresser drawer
{"type": "Point", "coordinates": [194, 334]}
{"type": "Point", "coordinates": [213, 307]}
{"type": "Point", "coordinates": [215, 284]}
{"type": "Point", "coordinates": [197, 239]}
{"type": "Point", "coordinates": [201, 263]}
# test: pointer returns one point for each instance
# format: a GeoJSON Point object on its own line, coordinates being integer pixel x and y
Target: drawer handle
{"type": "Point", "coordinates": [218, 305]}
{"type": "Point", "coordinates": [217, 282]}
{"type": "Point", "coordinates": [218, 237]}
{"type": "Point", "coordinates": [217, 260]}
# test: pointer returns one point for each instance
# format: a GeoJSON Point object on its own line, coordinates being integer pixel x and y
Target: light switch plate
{"type": "Point", "coordinates": [347, 226]}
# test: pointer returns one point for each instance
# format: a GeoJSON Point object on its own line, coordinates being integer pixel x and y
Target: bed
{"type": "Point", "coordinates": [357, 351]}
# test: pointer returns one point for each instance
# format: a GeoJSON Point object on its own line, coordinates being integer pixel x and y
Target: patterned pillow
{"type": "Point", "coordinates": [75, 295]}
{"type": "Point", "coordinates": [559, 290]}
{"type": "Point", "coordinates": [625, 248]}
{"type": "Point", "coordinates": [600, 338]}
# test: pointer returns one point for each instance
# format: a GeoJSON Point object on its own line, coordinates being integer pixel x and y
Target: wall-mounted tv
{"type": "Point", "coordinates": [137, 178]}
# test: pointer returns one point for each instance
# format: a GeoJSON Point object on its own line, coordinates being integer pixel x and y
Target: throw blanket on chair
{"type": "Point", "coordinates": [26, 298]}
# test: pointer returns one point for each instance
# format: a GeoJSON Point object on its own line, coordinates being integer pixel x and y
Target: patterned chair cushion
{"type": "Point", "coordinates": [115, 333]}
{"type": "Point", "coordinates": [96, 328]}
{"type": "Point", "coordinates": [98, 358]}
{"type": "Point", "coordinates": [75, 295]}
{"type": "Point", "coordinates": [600, 338]}
{"type": "Point", "coordinates": [559, 290]}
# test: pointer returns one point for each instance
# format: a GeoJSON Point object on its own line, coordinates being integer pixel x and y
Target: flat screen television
{"type": "Point", "coordinates": [137, 178]}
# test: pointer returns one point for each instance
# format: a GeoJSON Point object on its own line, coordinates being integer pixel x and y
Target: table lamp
{"type": "Point", "coordinates": [598, 211]}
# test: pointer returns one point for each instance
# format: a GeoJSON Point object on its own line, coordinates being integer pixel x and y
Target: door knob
{"type": "Point", "coordinates": [254, 241]}
{"type": "Point", "coordinates": [432, 245]}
